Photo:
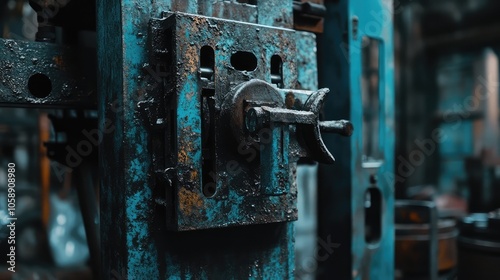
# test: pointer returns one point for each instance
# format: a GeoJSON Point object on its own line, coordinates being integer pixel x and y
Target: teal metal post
{"type": "Point", "coordinates": [356, 195]}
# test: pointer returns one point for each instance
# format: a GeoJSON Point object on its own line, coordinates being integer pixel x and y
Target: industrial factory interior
{"type": "Point", "coordinates": [250, 139]}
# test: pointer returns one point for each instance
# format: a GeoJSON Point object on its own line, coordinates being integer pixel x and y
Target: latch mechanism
{"type": "Point", "coordinates": [257, 110]}
{"type": "Point", "coordinates": [232, 134]}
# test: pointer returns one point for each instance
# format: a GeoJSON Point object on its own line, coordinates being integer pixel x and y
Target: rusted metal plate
{"type": "Point", "coordinates": [238, 173]}
{"type": "Point", "coordinates": [44, 75]}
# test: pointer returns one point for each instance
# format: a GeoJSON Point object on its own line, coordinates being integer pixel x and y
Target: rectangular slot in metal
{"type": "Point", "coordinates": [370, 96]}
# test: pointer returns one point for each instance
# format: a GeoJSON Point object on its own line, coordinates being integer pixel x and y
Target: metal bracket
{"type": "Point", "coordinates": [44, 75]}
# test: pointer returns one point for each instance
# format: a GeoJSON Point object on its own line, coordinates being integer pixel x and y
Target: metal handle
{"type": "Point", "coordinates": [342, 127]}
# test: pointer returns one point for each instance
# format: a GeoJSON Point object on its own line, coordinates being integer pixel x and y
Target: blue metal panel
{"type": "Point", "coordinates": [343, 186]}
{"type": "Point", "coordinates": [375, 21]}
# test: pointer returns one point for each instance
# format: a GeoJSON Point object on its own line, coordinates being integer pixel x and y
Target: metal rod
{"type": "Point", "coordinates": [342, 127]}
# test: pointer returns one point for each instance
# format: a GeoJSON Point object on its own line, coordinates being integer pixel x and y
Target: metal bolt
{"type": "Point", "coordinates": [254, 119]}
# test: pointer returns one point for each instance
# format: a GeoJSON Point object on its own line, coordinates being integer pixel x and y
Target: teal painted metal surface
{"type": "Point", "coordinates": [343, 197]}
{"type": "Point", "coordinates": [275, 13]}
{"type": "Point", "coordinates": [135, 201]}
{"type": "Point", "coordinates": [307, 76]}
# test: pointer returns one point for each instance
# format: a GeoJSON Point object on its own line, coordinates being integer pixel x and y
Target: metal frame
{"type": "Point", "coordinates": [59, 64]}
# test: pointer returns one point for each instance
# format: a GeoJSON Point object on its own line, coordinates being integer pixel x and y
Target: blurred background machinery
{"type": "Point", "coordinates": [447, 135]}
{"type": "Point", "coordinates": [479, 246]}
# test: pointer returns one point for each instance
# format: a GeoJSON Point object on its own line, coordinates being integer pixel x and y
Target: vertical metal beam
{"type": "Point", "coordinates": [334, 216]}
{"type": "Point", "coordinates": [343, 186]}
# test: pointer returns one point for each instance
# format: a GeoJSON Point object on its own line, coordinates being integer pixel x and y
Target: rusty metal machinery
{"type": "Point", "coordinates": [426, 246]}
{"type": "Point", "coordinates": [218, 101]}
{"type": "Point", "coordinates": [204, 110]}
{"type": "Point", "coordinates": [228, 139]}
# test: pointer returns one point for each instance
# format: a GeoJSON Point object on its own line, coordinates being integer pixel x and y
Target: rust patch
{"type": "Point", "coordinates": [191, 59]}
{"type": "Point", "coordinates": [183, 155]}
{"type": "Point", "coordinates": [185, 149]}
{"type": "Point", "coordinates": [59, 61]}
{"type": "Point", "coordinates": [290, 100]}
{"type": "Point", "coordinates": [415, 217]}
{"type": "Point", "coordinates": [194, 175]}
{"type": "Point", "coordinates": [189, 201]}
{"type": "Point", "coordinates": [191, 53]}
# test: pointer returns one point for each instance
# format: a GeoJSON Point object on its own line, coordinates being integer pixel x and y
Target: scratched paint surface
{"type": "Point", "coordinates": [136, 243]}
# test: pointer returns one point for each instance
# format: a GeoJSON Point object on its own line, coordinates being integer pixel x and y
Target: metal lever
{"type": "Point", "coordinates": [255, 105]}
{"type": "Point", "coordinates": [257, 117]}
{"type": "Point", "coordinates": [342, 127]}
{"type": "Point", "coordinates": [312, 133]}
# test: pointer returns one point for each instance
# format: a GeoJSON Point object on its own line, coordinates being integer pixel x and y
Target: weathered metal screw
{"type": "Point", "coordinates": [254, 119]}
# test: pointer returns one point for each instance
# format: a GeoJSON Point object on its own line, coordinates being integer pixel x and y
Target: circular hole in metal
{"type": "Point", "coordinates": [39, 85]}
{"type": "Point", "coordinates": [209, 190]}
{"type": "Point", "coordinates": [244, 61]}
